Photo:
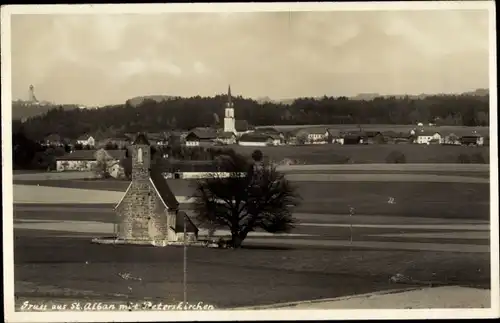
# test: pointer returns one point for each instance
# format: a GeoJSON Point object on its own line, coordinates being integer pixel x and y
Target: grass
{"type": "Point", "coordinates": [229, 278]}
{"type": "Point", "coordinates": [418, 199]}
{"type": "Point", "coordinates": [365, 154]}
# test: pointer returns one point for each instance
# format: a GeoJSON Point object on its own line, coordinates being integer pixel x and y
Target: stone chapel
{"type": "Point", "coordinates": [149, 211]}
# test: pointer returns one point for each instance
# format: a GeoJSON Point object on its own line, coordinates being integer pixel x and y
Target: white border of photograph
{"type": "Point", "coordinates": [226, 315]}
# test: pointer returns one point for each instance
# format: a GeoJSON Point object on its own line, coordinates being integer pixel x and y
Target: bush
{"type": "Point", "coordinates": [395, 157]}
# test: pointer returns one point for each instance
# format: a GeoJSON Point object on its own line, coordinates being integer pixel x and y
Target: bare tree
{"type": "Point", "coordinates": [252, 197]}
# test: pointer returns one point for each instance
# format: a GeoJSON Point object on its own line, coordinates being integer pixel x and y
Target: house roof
{"type": "Point", "coordinates": [203, 133]}
{"type": "Point", "coordinates": [313, 131]}
{"type": "Point", "coordinates": [162, 187]}
{"type": "Point", "coordinates": [84, 137]}
{"type": "Point", "coordinates": [141, 139]}
{"type": "Point", "coordinates": [179, 223]}
{"type": "Point", "coordinates": [157, 136]}
{"type": "Point", "coordinates": [426, 133]}
{"type": "Point", "coordinates": [255, 137]}
{"type": "Point", "coordinates": [79, 155]}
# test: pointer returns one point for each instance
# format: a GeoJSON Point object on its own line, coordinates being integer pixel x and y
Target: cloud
{"type": "Point", "coordinates": [274, 54]}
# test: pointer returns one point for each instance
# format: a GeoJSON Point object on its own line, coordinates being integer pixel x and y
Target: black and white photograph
{"type": "Point", "coordinates": [249, 161]}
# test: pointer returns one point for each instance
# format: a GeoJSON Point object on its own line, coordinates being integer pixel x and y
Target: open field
{"type": "Point", "coordinates": [411, 199]}
{"type": "Point", "coordinates": [435, 233]}
{"type": "Point", "coordinates": [228, 278]}
{"type": "Point", "coordinates": [366, 154]}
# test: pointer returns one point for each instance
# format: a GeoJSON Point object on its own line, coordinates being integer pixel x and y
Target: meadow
{"type": "Point", "coordinates": [366, 154]}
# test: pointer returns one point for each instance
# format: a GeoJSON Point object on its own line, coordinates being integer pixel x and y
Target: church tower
{"type": "Point", "coordinates": [141, 158]}
{"type": "Point", "coordinates": [229, 122]}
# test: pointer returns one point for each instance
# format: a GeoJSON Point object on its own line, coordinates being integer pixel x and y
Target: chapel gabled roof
{"type": "Point", "coordinates": [179, 223]}
{"type": "Point", "coordinates": [141, 140]}
{"type": "Point", "coordinates": [162, 187]}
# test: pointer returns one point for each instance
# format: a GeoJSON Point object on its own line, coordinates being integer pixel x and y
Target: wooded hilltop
{"type": "Point", "coordinates": [188, 113]}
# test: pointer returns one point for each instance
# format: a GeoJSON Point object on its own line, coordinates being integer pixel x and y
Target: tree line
{"type": "Point", "coordinates": [188, 113]}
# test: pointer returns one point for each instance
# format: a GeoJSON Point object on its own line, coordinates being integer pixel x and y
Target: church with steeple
{"type": "Point", "coordinates": [231, 124]}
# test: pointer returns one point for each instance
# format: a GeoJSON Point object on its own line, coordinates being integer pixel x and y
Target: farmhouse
{"type": "Point", "coordinates": [352, 139]}
{"type": "Point", "coordinates": [149, 211]}
{"type": "Point", "coordinates": [158, 138]}
{"type": "Point", "coordinates": [86, 160]}
{"type": "Point", "coordinates": [78, 160]}
{"type": "Point", "coordinates": [472, 140]}
{"type": "Point", "coordinates": [53, 140]}
{"type": "Point", "coordinates": [259, 140]}
{"type": "Point", "coordinates": [201, 136]}
{"type": "Point", "coordinates": [86, 140]}
{"type": "Point", "coordinates": [119, 142]}
{"type": "Point", "coordinates": [314, 135]}
{"type": "Point", "coordinates": [226, 138]}
{"type": "Point", "coordinates": [335, 136]}
{"type": "Point", "coordinates": [426, 137]}
{"type": "Point", "coordinates": [374, 137]}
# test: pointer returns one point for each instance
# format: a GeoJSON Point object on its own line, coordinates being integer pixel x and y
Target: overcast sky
{"type": "Point", "coordinates": [107, 59]}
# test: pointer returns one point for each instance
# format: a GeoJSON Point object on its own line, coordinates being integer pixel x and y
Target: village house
{"type": "Point", "coordinates": [158, 138]}
{"type": "Point", "coordinates": [472, 140]}
{"type": "Point", "coordinates": [86, 140]}
{"type": "Point", "coordinates": [201, 137]}
{"type": "Point", "coordinates": [393, 137]}
{"type": "Point", "coordinates": [119, 142]}
{"type": "Point", "coordinates": [259, 140]}
{"type": "Point", "coordinates": [335, 137]}
{"type": "Point", "coordinates": [374, 137]}
{"type": "Point", "coordinates": [427, 137]}
{"type": "Point", "coordinates": [149, 211]}
{"type": "Point", "coordinates": [87, 160]}
{"type": "Point", "coordinates": [314, 135]}
{"type": "Point", "coordinates": [290, 137]}
{"type": "Point", "coordinates": [352, 139]}
{"type": "Point", "coordinates": [226, 138]}
{"type": "Point", "coordinates": [53, 140]}
{"type": "Point", "coordinates": [78, 160]}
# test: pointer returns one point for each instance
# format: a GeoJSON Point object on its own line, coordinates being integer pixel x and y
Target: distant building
{"type": "Point", "coordinates": [226, 138]}
{"type": "Point", "coordinates": [472, 140]}
{"type": "Point", "coordinates": [86, 140]}
{"type": "Point", "coordinates": [158, 138]}
{"type": "Point", "coordinates": [352, 139]}
{"type": "Point", "coordinates": [86, 160]}
{"type": "Point", "coordinates": [201, 137]}
{"type": "Point", "coordinates": [120, 142]}
{"type": "Point", "coordinates": [259, 140]}
{"type": "Point", "coordinates": [314, 135]}
{"type": "Point", "coordinates": [426, 137]}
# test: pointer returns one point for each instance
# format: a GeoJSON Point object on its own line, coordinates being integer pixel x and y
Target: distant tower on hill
{"type": "Point", "coordinates": [229, 121]}
{"type": "Point", "coordinates": [32, 97]}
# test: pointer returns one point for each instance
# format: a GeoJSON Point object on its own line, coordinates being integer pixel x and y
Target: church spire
{"type": "Point", "coordinates": [229, 98]}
